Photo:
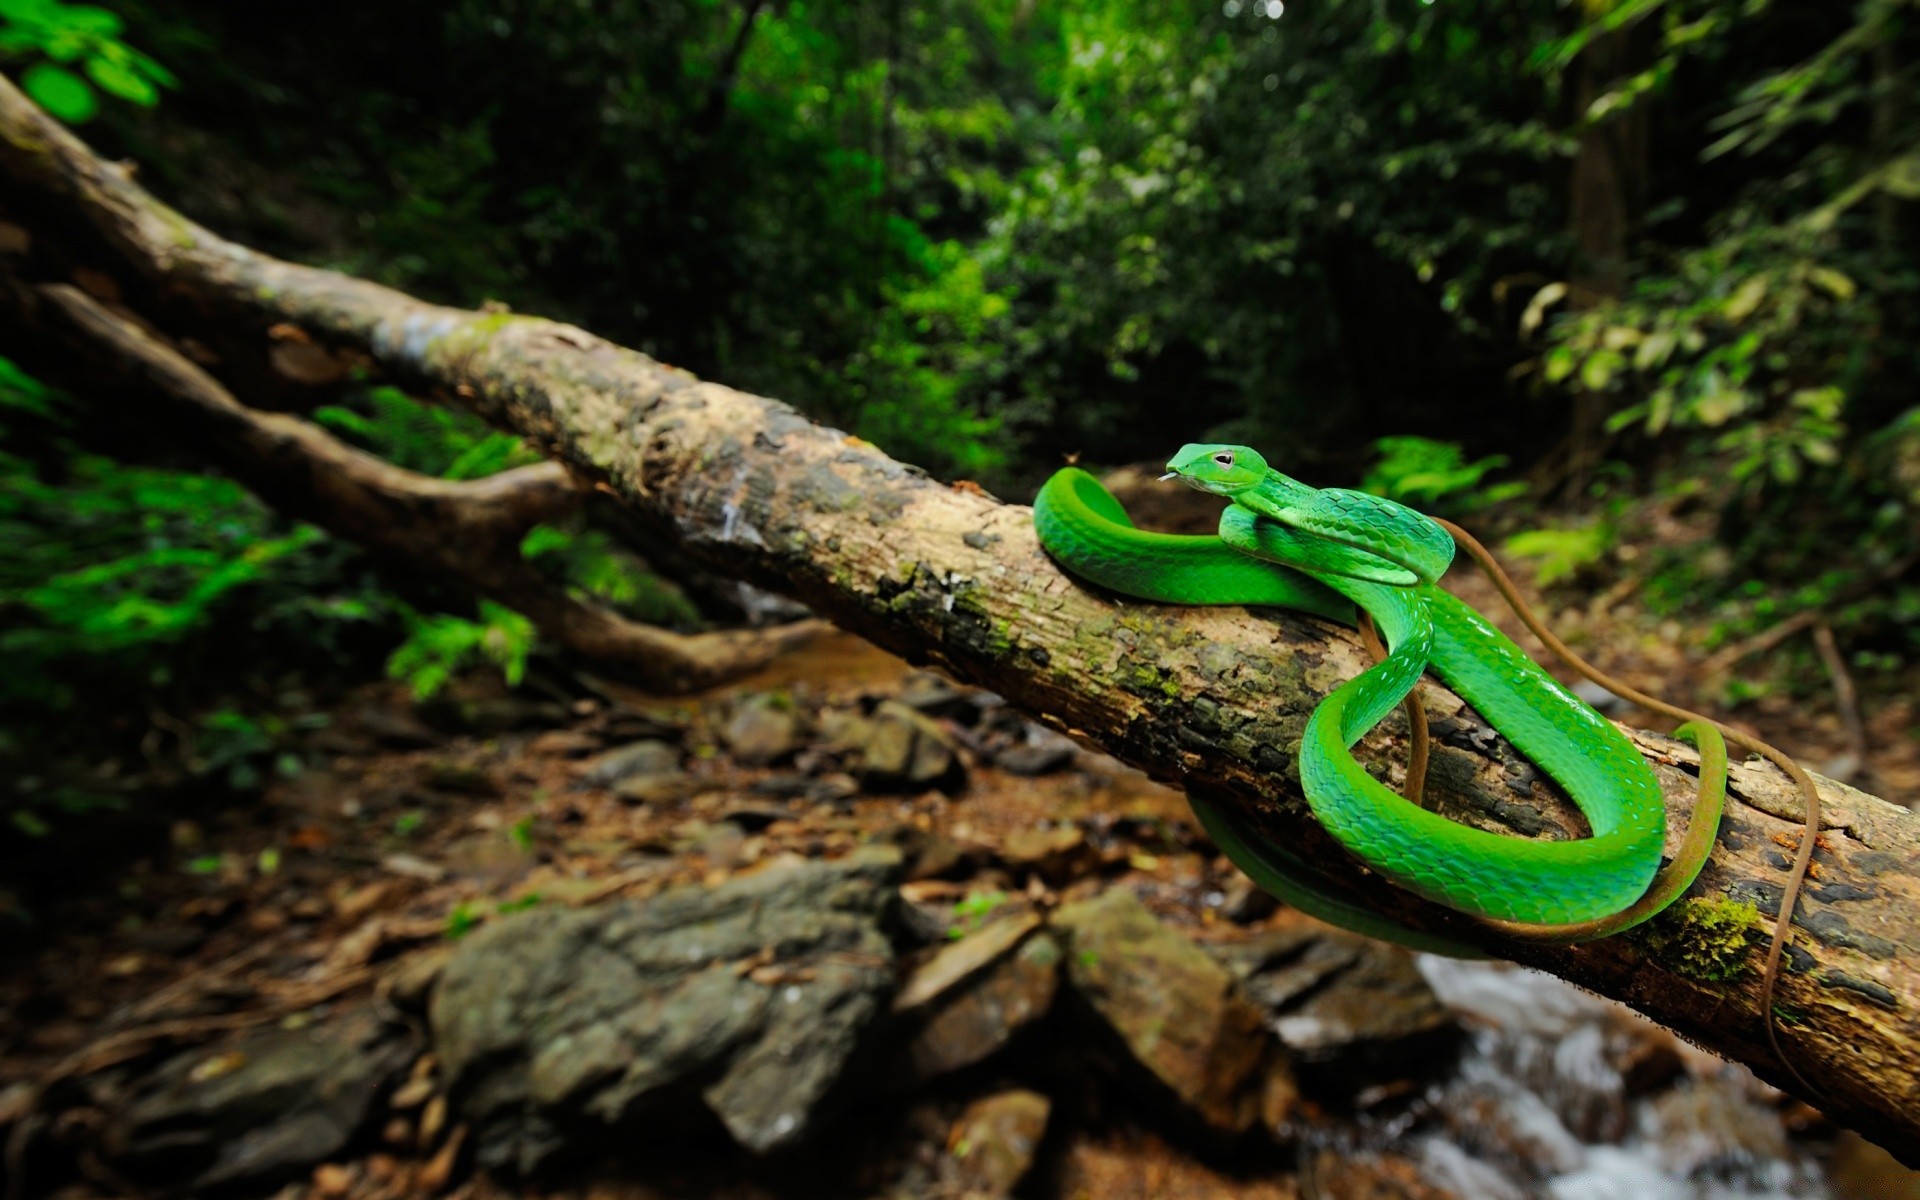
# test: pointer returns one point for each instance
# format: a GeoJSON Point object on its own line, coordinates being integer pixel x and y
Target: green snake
{"type": "Point", "coordinates": [1345, 556]}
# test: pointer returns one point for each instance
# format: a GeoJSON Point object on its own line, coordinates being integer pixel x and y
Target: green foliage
{"type": "Point", "coordinates": [1768, 329]}
{"type": "Point", "coordinates": [112, 570]}
{"type": "Point", "coordinates": [1436, 476]}
{"type": "Point", "coordinates": [423, 437]}
{"type": "Point", "coordinates": [440, 646]}
{"type": "Point", "coordinates": [1272, 226]}
{"type": "Point", "coordinates": [593, 566]}
{"type": "Point", "coordinates": [1728, 342]}
{"type": "Point", "coordinates": [972, 912]}
{"type": "Point", "coordinates": [72, 49]}
{"type": "Point", "coordinates": [1563, 553]}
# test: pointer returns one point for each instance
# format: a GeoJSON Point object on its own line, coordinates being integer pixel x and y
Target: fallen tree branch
{"type": "Point", "coordinates": [469, 530]}
{"type": "Point", "coordinates": [1215, 698]}
{"type": "Point", "coordinates": [1846, 700]}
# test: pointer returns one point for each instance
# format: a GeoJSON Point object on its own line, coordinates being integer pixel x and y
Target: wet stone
{"type": "Point", "coordinates": [558, 1028]}
{"type": "Point", "coordinates": [977, 1022]}
{"type": "Point", "coordinates": [637, 759]}
{"type": "Point", "coordinates": [928, 693]}
{"type": "Point", "coordinates": [1375, 1014]}
{"type": "Point", "coordinates": [994, 1141]}
{"type": "Point", "coordinates": [904, 750]}
{"type": "Point", "coordinates": [1245, 903]}
{"type": "Point", "coordinates": [259, 1110]}
{"type": "Point", "coordinates": [1177, 1011]}
{"type": "Point", "coordinates": [764, 729]}
{"type": "Point", "coordinates": [1040, 752]}
{"type": "Point", "coordinates": [1051, 853]}
{"type": "Point", "coordinates": [956, 962]}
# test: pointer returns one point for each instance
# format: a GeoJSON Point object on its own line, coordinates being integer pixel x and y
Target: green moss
{"type": "Point", "coordinates": [1704, 939]}
{"type": "Point", "coordinates": [470, 337]}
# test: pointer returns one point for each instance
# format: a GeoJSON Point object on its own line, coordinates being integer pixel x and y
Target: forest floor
{"type": "Point", "coordinates": [421, 838]}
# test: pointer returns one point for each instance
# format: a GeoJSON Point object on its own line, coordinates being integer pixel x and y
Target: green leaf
{"type": "Point", "coordinates": [61, 92]}
{"type": "Point", "coordinates": [1599, 369]}
{"type": "Point", "coordinates": [117, 80]}
{"type": "Point", "coordinates": [1746, 299]}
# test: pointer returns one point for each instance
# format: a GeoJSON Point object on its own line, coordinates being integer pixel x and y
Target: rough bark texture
{"type": "Point", "coordinates": [469, 530]}
{"type": "Point", "coordinates": [948, 575]}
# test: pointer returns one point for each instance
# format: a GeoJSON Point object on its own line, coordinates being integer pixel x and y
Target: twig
{"type": "Point", "coordinates": [1847, 700]}
{"type": "Point", "coordinates": [1723, 660]}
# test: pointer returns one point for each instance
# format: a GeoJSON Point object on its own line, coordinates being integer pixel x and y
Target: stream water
{"type": "Point", "coordinates": [1542, 1105]}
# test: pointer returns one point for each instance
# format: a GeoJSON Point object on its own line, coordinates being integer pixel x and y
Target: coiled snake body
{"type": "Point", "coordinates": [1350, 557]}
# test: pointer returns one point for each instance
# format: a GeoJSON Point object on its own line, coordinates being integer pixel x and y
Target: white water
{"type": "Point", "coordinates": [1549, 1117]}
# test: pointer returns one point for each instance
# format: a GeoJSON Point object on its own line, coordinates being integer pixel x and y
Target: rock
{"type": "Point", "coordinates": [492, 857]}
{"type": "Point", "coordinates": [632, 724]}
{"type": "Point", "coordinates": [409, 983]}
{"type": "Point", "coordinates": [904, 751]}
{"type": "Point", "coordinates": [641, 758]}
{"type": "Point", "coordinates": [1277, 965]}
{"type": "Point", "coordinates": [832, 788]}
{"type": "Point", "coordinates": [1337, 1175]}
{"type": "Point", "coordinates": [16, 1101]}
{"type": "Point", "coordinates": [412, 866]}
{"type": "Point", "coordinates": [983, 1017]}
{"type": "Point", "coordinates": [929, 855]}
{"type": "Point", "coordinates": [763, 729]}
{"type": "Point", "coordinates": [1497, 1119]}
{"type": "Point", "coordinates": [1376, 1013]}
{"type": "Point", "coordinates": [1245, 903]}
{"type": "Point", "coordinates": [787, 785]}
{"type": "Point", "coordinates": [564, 743]}
{"type": "Point", "coordinates": [666, 788]}
{"type": "Point", "coordinates": [1054, 854]}
{"type": "Point", "coordinates": [1042, 752]}
{"type": "Point", "coordinates": [995, 1139]}
{"type": "Point", "coordinates": [1033, 760]}
{"type": "Point", "coordinates": [261, 1110]}
{"type": "Point", "coordinates": [1352, 1012]}
{"type": "Point", "coordinates": [1177, 1011]}
{"type": "Point", "coordinates": [1127, 1164]}
{"type": "Point", "coordinates": [1600, 698]}
{"type": "Point", "coordinates": [928, 693]}
{"type": "Point", "coordinates": [750, 998]}
{"type": "Point", "coordinates": [955, 962]}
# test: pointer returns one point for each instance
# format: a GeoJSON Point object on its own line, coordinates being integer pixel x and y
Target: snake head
{"type": "Point", "coordinates": [1221, 470]}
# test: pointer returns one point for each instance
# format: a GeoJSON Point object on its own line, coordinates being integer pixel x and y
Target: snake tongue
{"type": "Point", "coordinates": [1169, 475]}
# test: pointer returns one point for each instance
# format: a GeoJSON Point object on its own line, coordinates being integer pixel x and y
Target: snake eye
{"type": "Point", "coordinates": [1224, 458]}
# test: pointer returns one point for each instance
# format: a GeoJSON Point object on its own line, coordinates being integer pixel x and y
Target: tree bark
{"type": "Point", "coordinates": [1213, 698]}
{"type": "Point", "coordinates": [1606, 192]}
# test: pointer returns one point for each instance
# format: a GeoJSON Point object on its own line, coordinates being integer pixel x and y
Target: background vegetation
{"type": "Point", "coordinates": [1549, 262]}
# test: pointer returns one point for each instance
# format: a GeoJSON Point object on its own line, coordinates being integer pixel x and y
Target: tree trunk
{"type": "Point", "coordinates": [1216, 698]}
{"type": "Point", "coordinates": [1607, 190]}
